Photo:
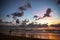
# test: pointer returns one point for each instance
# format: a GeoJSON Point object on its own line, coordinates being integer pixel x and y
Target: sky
{"type": "Point", "coordinates": [39, 8]}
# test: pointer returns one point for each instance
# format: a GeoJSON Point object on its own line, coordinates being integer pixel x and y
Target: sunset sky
{"type": "Point", "coordinates": [39, 8]}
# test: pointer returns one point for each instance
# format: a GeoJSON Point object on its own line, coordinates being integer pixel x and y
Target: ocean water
{"type": "Point", "coordinates": [32, 32]}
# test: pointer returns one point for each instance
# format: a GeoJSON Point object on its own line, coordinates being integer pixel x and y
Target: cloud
{"type": "Point", "coordinates": [7, 15]}
{"type": "Point", "coordinates": [15, 15]}
{"type": "Point", "coordinates": [35, 16]}
{"type": "Point", "coordinates": [47, 13]}
{"type": "Point", "coordinates": [18, 14]}
{"type": "Point", "coordinates": [26, 6]}
{"type": "Point", "coordinates": [22, 8]}
{"type": "Point", "coordinates": [58, 2]}
{"type": "Point", "coordinates": [17, 21]}
{"type": "Point", "coordinates": [39, 18]}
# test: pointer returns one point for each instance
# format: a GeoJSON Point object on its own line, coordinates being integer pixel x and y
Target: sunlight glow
{"type": "Point", "coordinates": [48, 21]}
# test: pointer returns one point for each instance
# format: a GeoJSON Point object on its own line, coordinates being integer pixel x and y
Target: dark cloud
{"type": "Point", "coordinates": [35, 16]}
{"type": "Point", "coordinates": [17, 21]}
{"type": "Point", "coordinates": [22, 8]}
{"type": "Point", "coordinates": [39, 18]}
{"type": "Point", "coordinates": [15, 15]}
{"type": "Point", "coordinates": [47, 13]}
{"type": "Point", "coordinates": [26, 6]}
{"type": "Point", "coordinates": [58, 2]}
{"type": "Point", "coordinates": [7, 15]}
{"type": "Point", "coordinates": [18, 14]}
